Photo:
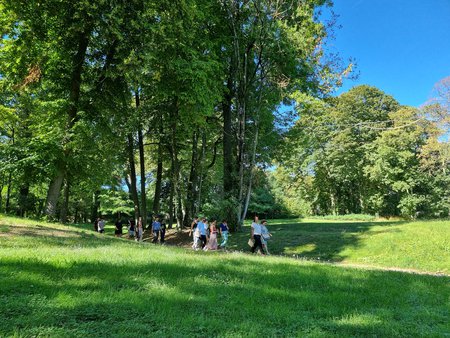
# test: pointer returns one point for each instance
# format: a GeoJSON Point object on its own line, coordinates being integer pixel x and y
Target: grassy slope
{"type": "Point", "coordinates": [63, 281]}
{"type": "Point", "coordinates": [421, 245]}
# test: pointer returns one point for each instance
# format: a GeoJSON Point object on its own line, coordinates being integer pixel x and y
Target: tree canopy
{"type": "Point", "coordinates": [154, 107]}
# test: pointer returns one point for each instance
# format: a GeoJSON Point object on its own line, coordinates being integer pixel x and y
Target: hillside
{"type": "Point", "coordinates": [64, 281]}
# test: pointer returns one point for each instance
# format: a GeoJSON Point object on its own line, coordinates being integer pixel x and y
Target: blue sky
{"type": "Point", "coordinates": [400, 46]}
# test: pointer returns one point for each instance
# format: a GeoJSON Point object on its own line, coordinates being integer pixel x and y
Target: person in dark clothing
{"type": "Point", "coordinates": [96, 224]}
{"type": "Point", "coordinates": [163, 231]}
{"type": "Point", "coordinates": [119, 227]}
{"type": "Point", "coordinates": [131, 227]}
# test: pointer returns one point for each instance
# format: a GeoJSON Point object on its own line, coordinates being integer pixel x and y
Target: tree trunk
{"type": "Point", "coordinates": [8, 192]}
{"type": "Point", "coordinates": [242, 99]}
{"type": "Point", "coordinates": [95, 205]}
{"type": "Point", "coordinates": [23, 198]}
{"type": "Point", "coordinates": [250, 179]}
{"type": "Point", "coordinates": [1, 193]}
{"type": "Point", "coordinates": [133, 185]}
{"type": "Point", "coordinates": [175, 161]}
{"type": "Point", "coordinates": [74, 97]}
{"type": "Point", "coordinates": [65, 205]}
{"type": "Point", "coordinates": [171, 205]}
{"type": "Point", "coordinates": [142, 167]}
{"type": "Point", "coordinates": [229, 199]}
{"type": "Point", "coordinates": [201, 174]}
{"type": "Point", "coordinates": [192, 183]}
{"type": "Point", "coordinates": [158, 183]}
{"type": "Point", "coordinates": [228, 167]}
{"type": "Point", "coordinates": [53, 195]}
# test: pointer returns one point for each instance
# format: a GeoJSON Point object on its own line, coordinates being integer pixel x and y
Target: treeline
{"type": "Point", "coordinates": [173, 99]}
{"type": "Point", "coordinates": [363, 152]}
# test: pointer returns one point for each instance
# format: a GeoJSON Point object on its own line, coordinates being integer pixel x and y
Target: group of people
{"type": "Point", "coordinates": [259, 235]}
{"type": "Point", "coordinates": [205, 234]}
{"type": "Point", "coordinates": [136, 231]}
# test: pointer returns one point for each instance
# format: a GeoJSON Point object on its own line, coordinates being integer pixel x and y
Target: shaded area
{"type": "Point", "coordinates": [316, 241]}
{"type": "Point", "coordinates": [214, 297]}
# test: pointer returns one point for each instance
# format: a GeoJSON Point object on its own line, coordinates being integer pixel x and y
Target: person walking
{"type": "Point", "coordinates": [156, 229]}
{"type": "Point", "coordinates": [163, 230]}
{"type": "Point", "coordinates": [223, 229]}
{"type": "Point", "coordinates": [193, 231]}
{"type": "Point", "coordinates": [140, 230]}
{"type": "Point", "coordinates": [201, 226]}
{"type": "Point", "coordinates": [101, 225]}
{"type": "Point", "coordinates": [212, 242]}
{"type": "Point", "coordinates": [256, 231]}
{"type": "Point", "coordinates": [265, 236]}
{"type": "Point", "coordinates": [131, 227]}
{"type": "Point", "coordinates": [118, 229]}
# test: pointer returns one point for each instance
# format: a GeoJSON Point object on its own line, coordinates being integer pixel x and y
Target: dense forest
{"type": "Point", "coordinates": [216, 107]}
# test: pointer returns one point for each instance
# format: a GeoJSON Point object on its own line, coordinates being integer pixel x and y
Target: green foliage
{"type": "Point", "coordinates": [363, 153]}
{"type": "Point", "coordinates": [114, 202]}
{"type": "Point", "coordinates": [348, 217]}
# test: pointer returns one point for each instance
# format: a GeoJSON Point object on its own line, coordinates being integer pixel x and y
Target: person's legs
{"type": "Point", "coordinates": [264, 245]}
{"type": "Point", "coordinates": [203, 239]}
{"type": "Point", "coordinates": [224, 239]}
{"type": "Point", "coordinates": [195, 245]}
{"type": "Point", "coordinates": [163, 235]}
{"type": "Point", "coordinates": [257, 244]}
{"type": "Point", "coordinates": [155, 236]}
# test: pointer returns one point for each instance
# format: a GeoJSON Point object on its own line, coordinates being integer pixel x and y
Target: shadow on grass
{"type": "Point", "coordinates": [318, 241]}
{"type": "Point", "coordinates": [214, 298]}
{"type": "Point", "coordinates": [56, 237]}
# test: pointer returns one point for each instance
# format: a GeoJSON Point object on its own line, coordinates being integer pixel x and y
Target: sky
{"type": "Point", "coordinates": [400, 46]}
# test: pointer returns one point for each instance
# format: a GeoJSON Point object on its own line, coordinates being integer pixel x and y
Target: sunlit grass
{"type": "Point", "coordinates": [84, 284]}
{"type": "Point", "coordinates": [418, 245]}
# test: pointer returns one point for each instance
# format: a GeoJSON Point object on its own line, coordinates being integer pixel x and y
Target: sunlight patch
{"type": "Point", "coordinates": [301, 249]}
{"type": "Point", "coordinates": [359, 319]}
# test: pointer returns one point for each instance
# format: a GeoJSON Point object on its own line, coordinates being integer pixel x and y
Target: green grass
{"type": "Point", "coordinates": [63, 281]}
{"type": "Point", "coordinates": [419, 245]}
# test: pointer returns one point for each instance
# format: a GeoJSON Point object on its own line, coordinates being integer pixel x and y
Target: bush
{"type": "Point", "coordinates": [348, 217]}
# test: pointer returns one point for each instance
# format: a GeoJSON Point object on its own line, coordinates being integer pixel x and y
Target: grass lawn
{"type": "Point", "coordinates": [420, 245]}
{"type": "Point", "coordinates": [65, 281]}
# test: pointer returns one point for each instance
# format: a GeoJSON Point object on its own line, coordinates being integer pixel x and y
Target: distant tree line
{"type": "Point", "coordinates": [363, 152]}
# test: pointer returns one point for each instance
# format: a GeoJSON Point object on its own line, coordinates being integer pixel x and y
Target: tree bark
{"type": "Point", "coordinates": [250, 179]}
{"type": "Point", "coordinates": [1, 193]}
{"type": "Point", "coordinates": [201, 174]}
{"type": "Point", "coordinates": [23, 197]}
{"type": "Point", "coordinates": [53, 195]}
{"type": "Point", "coordinates": [74, 97]}
{"type": "Point", "coordinates": [175, 162]}
{"type": "Point", "coordinates": [95, 205]}
{"type": "Point", "coordinates": [171, 209]}
{"type": "Point", "coordinates": [65, 204]}
{"type": "Point", "coordinates": [192, 183]}
{"type": "Point", "coordinates": [228, 167]}
{"type": "Point", "coordinates": [158, 183]}
{"type": "Point", "coordinates": [8, 192]}
{"type": "Point", "coordinates": [133, 185]}
{"type": "Point", "coordinates": [142, 167]}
